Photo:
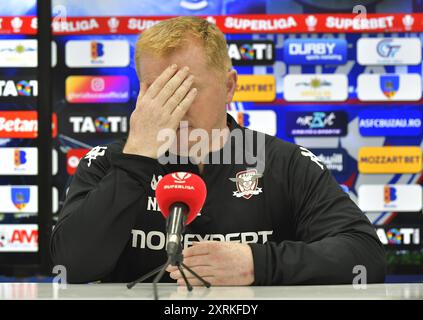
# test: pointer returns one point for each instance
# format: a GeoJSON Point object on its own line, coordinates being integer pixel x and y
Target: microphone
{"type": "Point", "coordinates": [180, 196]}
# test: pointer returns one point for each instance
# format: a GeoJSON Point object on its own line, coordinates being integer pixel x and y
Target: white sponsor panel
{"type": "Point", "coordinates": [22, 53]}
{"type": "Point", "coordinates": [23, 161]}
{"type": "Point", "coordinates": [264, 121]}
{"type": "Point", "coordinates": [377, 198]}
{"type": "Point", "coordinates": [97, 53]}
{"type": "Point", "coordinates": [389, 51]}
{"type": "Point", "coordinates": [23, 199]}
{"type": "Point", "coordinates": [315, 87]}
{"type": "Point", "coordinates": [18, 237]}
{"type": "Point", "coordinates": [389, 87]}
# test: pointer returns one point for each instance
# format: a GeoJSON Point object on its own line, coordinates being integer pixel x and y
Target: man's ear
{"type": "Point", "coordinates": [231, 80]}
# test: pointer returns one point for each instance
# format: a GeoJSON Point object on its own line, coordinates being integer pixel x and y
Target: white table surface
{"type": "Point", "coordinates": [48, 291]}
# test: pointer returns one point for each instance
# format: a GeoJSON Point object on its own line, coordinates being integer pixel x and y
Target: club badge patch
{"type": "Point", "coordinates": [246, 183]}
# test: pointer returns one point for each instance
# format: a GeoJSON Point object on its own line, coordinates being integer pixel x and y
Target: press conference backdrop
{"type": "Point", "coordinates": [348, 86]}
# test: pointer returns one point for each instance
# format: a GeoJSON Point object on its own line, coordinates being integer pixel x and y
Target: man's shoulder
{"type": "Point", "coordinates": [100, 155]}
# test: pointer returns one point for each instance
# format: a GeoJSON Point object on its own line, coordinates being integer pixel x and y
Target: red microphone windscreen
{"type": "Point", "coordinates": [184, 187]}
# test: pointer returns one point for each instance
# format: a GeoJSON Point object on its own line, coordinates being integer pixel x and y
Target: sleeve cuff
{"type": "Point", "coordinates": [259, 257]}
{"type": "Point", "coordinates": [139, 167]}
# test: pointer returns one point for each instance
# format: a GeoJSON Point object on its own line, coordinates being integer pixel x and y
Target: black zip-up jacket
{"type": "Point", "coordinates": [301, 226]}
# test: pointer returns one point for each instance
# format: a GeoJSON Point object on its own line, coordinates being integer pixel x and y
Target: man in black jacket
{"type": "Point", "coordinates": [280, 220]}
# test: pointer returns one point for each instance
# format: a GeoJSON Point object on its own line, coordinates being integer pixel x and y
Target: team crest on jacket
{"type": "Point", "coordinates": [246, 183]}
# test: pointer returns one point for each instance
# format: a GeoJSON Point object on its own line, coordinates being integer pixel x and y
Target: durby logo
{"type": "Point", "coordinates": [315, 51]}
{"type": "Point", "coordinates": [317, 123]}
{"type": "Point", "coordinates": [22, 124]}
{"type": "Point", "coordinates": [101, 124]}
{"type": "Point", "coordinates": [251, 52]}
{"type": "Point", "coordinates": [18, 88]}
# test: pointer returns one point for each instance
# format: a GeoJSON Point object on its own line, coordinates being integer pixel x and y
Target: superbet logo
{"type": "Point", "coordinates": [22, 124]}
{"type": "Point", "coordinates": [73, 157]}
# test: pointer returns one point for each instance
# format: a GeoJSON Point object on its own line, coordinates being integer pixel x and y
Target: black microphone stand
{"type": "Point", "coordinates": [173, 260]}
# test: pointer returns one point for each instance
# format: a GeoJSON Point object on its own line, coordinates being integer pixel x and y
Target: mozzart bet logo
{"type": "Point", "coordinates": [97, 89]}
{"type": "Point", "coordinates": [315, 87]}
{"type": "Point", "coordinates": [259, 120]}
{"type": "Point", "coordinates": [101, 53]}
{"type": "Point", "coordinates": [399, 236]}
{"type": "Point", "coordinates": [317, 123]}
{"type": "Point", "coordinates": [18, 238]}
{"type": "Point", "coordinates": [22, 124]}
{"type": "Point", "coordinates": [22, 53]}
{"type": "Point", "coordinates": [18, 88]}
{"type": "Point", "coordinates": [389, 51]}
{"type": "Point", "coordinates": [390, 160]}
{"type": "Point", "coordinates": [23, 161]}
{"type": "Point", "coordinates": [394, 122]}
{"type": "Point", "coordinates": [255, 88]}
{"type": "Point", "coordinates": [315, 51]}
{"type": "Point", "coordinates": [251, 52]}
{"type": "Point", "coordinates": [379, 198]}
{"type": "Point", "coordinates": [389, 87]}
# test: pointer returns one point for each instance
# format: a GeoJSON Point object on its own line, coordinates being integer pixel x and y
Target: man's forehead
{"type": "Point", "coordinates": [152, 65]}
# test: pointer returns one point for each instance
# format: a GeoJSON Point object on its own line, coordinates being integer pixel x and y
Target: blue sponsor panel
{"type": "Point", "coordinates": [334, 159]}
{"type": "Point", "coordinates": [390, 122]}
{"type": "Point", "coordinates": [315, 51]}
{"type": "Point", "coordinates": [316, 123]}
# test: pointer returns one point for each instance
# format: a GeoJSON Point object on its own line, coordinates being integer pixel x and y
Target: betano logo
{"type": "Point", "coordinates": [390, 160]}
{"type": "Point", "coordinates": [255, 88]}
{"type": "Point", "coordinates": [22, 124]}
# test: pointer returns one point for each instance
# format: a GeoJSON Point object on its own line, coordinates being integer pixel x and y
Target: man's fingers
{"type": "Point", "coordinates": [195, 282]}
{"type": "Point", "coordinates": [178, 95]}
{"type": "Point", "coordinates": [161, 80]}
{"type": "Point", "coordinates": [197, 260]}
{"type": "Point", "coordinates": [170, 87]}
{"type": "Point", "coordinates": [202, 248]}
{"type": "Point", "coordinates": [183, 106]}
{"type": "Point", "coordinates": [202, 271]}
